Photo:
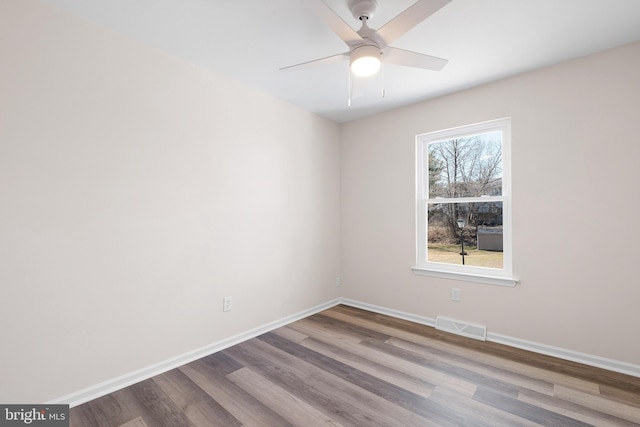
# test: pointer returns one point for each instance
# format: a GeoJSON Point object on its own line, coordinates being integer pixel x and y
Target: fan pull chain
{"type": "Point", "coordinates": [350, 90]}
{"type": "Point", "coordinates": [382, 74]}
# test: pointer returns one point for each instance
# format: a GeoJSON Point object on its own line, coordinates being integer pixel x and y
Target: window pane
{"type": "Point", "coordinates": [481, 228]}
{"type": "Point", "coordinates": [465, 167]}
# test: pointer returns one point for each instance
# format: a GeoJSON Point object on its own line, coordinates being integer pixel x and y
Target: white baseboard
{"type": "Point", "coordinates": [389, 312]}
{"type": "Point", "coordinates": [131, 378]}
{"type": "Point", "coordinates": [109, 386]}
{"type": "Point", "coordinates": [560, 353]}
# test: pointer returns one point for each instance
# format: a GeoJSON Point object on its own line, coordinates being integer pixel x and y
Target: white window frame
{"type": "Point", "coordinates": [494, 276]}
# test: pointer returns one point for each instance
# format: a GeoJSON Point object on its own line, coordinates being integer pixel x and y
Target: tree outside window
{"type": "Point", "coordinates": [462, 177]}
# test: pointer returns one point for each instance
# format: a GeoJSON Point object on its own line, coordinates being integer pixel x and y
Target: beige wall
{"type": "Point", "coordinates": [136, 191]}
{"type": "Point", "coordinates": [575, 157]}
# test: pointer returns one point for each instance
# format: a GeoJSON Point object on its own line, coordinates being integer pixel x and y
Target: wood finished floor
{"type": "Point", "coordinates": [349, 367]}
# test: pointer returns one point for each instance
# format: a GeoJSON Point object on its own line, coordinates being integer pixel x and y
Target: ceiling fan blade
{"type": "Point", "coordinates": [408, 19]}
{"type": "Point", "coordinates": [322, 61]}
{"type": "Point", "coordinates": [334, 22]}
{"type": "Point", "coordinates": [408, 58]}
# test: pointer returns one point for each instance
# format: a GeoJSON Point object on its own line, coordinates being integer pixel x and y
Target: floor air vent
{"type": "Point", "coordinates": [470, 330]}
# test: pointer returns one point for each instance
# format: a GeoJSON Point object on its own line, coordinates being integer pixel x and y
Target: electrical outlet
{"type": "Point", "coordinates": [455, 294]}
{"type": "Point", "coordinates": [226, 303]}
{"type": "Point", "coordinates": [338, 282]}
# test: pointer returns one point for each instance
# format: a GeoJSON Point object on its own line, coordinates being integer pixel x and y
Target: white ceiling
{"type": "Point", "coordinates": [249, 40]}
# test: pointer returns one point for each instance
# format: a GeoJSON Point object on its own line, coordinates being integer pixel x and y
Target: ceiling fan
{"type": "Point", "coordinates": [368, 47]}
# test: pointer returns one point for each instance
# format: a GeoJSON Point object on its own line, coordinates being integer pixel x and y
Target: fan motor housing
{"type": "Point", "coordinates": [363, 8]}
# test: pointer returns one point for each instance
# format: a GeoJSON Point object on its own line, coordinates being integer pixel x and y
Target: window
{"type": "Point", "coordinates": [464, 203]}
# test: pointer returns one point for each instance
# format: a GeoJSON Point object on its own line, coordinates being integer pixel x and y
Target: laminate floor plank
{"type": "Point", "coordinates": [516, 367]}
{"type": "Point", "coordinates": [371, 367]}
{"type": "Point", "coordinates": [573, 410]}
{"type": "Point", "coordinates": [221, 363]}
{"type": "Point", "coordinates": [201, 409]}
{"type": "Point", "coordinates": [618, 395]}
{"type": "Point", "coordinates": [421, 373]}
{"type": "Point", "coordinates": [437, 342]}
{"type": "Point", "coordinates": [290, 334]}
{"type": "Point", "coordinates": [137, 422]}
{"type": "Point", "coordinates": [347, 367]}
{"type": "Point", "coordinates": [373, 410]}
{"type": "Point", "coordinates": [388, 392]}
{"type": "Point", "coordinates": [500, 352]}
{"type": "Point", "coordinates": [605, 406]}
{"type": "Point", "coordinates": [84, 416]}
{"type": "Point", "coordinates": [293, 375]}
{"type": "Point", "coordinates": [393, 329]}
{"type": "Point", "coordinates": [154, 405]}
{"type": "Point", "coordinates": [498, 373]}
{"type": "Point", "coordinates": [328, 335]}
{"type": "Point", "coordinates": [445, 369]}
{"type": "Point", "coordinates": [323, 390]}
{"type": "Point", "coordinates": [352, 329]}
{"type": "Point", "coordinates": [474, 412]}
{"type": "Point", "coordinates": [298, 412]}
{"type": "Point", "coordinates": [112, 410]}
{"type": "Point", "coordinates": [103, 411]}
{"type": "Point", "coordinates": [244, 407]}
{"type": "Point", "coordinates": [362, 379]}
{"type": "Point", "coordinates": [525, 410]}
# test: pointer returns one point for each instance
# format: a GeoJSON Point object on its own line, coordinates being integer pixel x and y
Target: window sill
{"type": "Point", "coordinates": [477, 278]}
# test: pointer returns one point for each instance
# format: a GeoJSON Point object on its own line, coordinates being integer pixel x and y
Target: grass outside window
{"type": "Point", "coordinates": [450, 254]}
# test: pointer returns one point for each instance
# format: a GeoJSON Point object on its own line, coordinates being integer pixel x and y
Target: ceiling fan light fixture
{"type": "Point", "coordinates": [365, 60]}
